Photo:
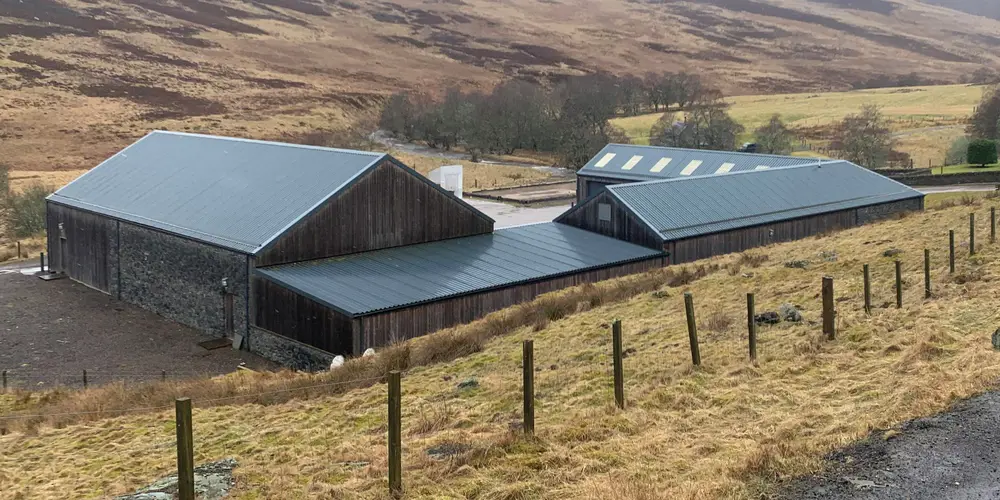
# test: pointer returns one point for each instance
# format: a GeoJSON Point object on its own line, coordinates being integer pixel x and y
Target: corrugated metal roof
{"type": "Point", "coordinates": [388, 279]}
{"type": "Point", "coordinates": [234, 193]}
{"type": "Point", "coordinates": [681, 208]}
{"type": "Point", "coordinates": [644, 163]}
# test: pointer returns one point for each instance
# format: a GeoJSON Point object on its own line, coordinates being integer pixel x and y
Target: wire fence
{"type": "Point", "coordinates": [534, 376]}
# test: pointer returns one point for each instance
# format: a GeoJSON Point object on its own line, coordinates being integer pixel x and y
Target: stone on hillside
{"type": "Point", "coordinates": [797, 264]}
{"type": "Point", "coordinates": [829, 256]}
{"type": "Point", "coordinates": [212, 481]}
{"type": "Point", "coordinates": [892, 252]}
{"type": "Point", "coordinates": [996, 339]}
{"type": "Point", "coordinates": [790, 313]}
{"type": "Point", "coordinates": [470, 383]}
{"type": "Point", "coordinates": [368, 353]}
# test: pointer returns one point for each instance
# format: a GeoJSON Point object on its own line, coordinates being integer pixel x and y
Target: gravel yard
{"type": "Point", "coordinates": [50, 332]}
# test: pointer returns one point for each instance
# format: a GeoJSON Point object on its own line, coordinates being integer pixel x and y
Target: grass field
{"type": "Point", "coordinates": [728, 429]}
{"type": "Point", "coordinates": [959, 169]}
{"type": "Point", "coordinates": [476, 176]}
{"type": "Point", "coordinates": [925, 119]}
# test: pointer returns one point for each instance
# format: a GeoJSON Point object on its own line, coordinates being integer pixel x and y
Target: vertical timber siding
{"type": "Point", "coordinates": [394, 326]}
{"type": "Point", "coordinates": [287, 313]}
{"type": "Point", "coordinates": [623, 225]}
{"type": "Point", "coordinates": [388, 207]}
{"type": "Point", "coordinates": [738, 240]}
{"type": "Point", "coordinates": [181, 279]}
{"type": "Point", "coordinates": [89, 253]}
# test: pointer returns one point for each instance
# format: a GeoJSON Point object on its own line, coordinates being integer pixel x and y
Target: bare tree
{"type": "Point", "coordinates": [706, 126]}
{"type": "Point", "coordinates": [774, 137]}
{"type": "Point", "coordinates": [865, 138]}
{"type": "Point", "coordinates": [985, 121]}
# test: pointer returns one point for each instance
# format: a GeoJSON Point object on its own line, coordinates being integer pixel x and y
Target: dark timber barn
{"type": "Point", "coordinates": [298, 252]}
{"type": "Point", "coordinates": [694, 217]}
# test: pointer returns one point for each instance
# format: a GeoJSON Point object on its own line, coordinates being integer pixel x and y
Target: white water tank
{"type": "Point", "coordinates": [449, 177]}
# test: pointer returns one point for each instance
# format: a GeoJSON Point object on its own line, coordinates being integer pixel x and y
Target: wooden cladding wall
{"type": "Point", "coordinates": [389, 207]}
{"type": "Point", "coordinates": [88, 253]}
{"type": "Point", "coordinates": [394, 326]}
{"type": "Point", "coordinates": [738, 240]}
{"type": "Point", "coordinates": [622, 226]}
{"type": "Point", "coordinates": [287, 313]}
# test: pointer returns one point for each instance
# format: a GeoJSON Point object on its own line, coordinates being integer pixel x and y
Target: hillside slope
{"type": "Point", "coordinates": [81, 78]}
{"type": "Point", "coordinates": [728, 429]}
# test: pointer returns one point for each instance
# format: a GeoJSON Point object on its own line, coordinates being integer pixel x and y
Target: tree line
{"type": "Point", "coordinates": [570, 119]}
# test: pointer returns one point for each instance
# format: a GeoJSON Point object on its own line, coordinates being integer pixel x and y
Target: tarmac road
{"type": "Point", "coordinates": [951, 456]}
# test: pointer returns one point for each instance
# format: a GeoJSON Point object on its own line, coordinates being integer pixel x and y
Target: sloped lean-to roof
{"type": "Point", "coordinates": [682, 208]}
{"type": "Point", "coordinates": [238, 194]}
{"type": "Point", "coordinates": [644, 163]}
{"type": "Point", "coordinates": [383, 280]}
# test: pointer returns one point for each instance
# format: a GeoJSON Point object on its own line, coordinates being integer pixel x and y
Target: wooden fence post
{"type": "Point", "coordinates": [993, 224]}
{"type": "Point", "coordinates": [951, 251]}
{"type": "Point", "coordinates": [899, 285]}
{"type": "Point", "coordinates": [751, 328]}
{"type": "Point", "coordinates": [829, 326]}
{"type": "Point", "coordinates": [616, 340]}
{"type": "Point", "coordinates": [185, 450]}
{"type": "Point", "coordinates": [528, 356]}
{"type": "Point", "coordinates": [692, 328]}
{"type": "Point", "coordinates": [163, 375]}
{"type": "Point", "coordinates": [85, 379]}
{"type": "Point", "coordinates": [18, 249]}
{"type": "Point", "coordinates": [927, 273]}
{"type": "Point", "coordinates": [395, 436]}
{"type": "Point", "coordinates": [41, 261]}
{"type": "Point", "coordinates": [5, 381]}
{"type": "Point", "coordinates": [972, 234]}
{"type": "Point", "coordinates": [868, 291]}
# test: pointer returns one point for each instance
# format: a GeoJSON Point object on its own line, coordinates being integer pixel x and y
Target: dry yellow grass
{"type": "Point", "coordinates": [925, 119]}
{"type": "Point", "coordinates": [725, 430]}
{"type": "Point", "coordinates": [476, 176]}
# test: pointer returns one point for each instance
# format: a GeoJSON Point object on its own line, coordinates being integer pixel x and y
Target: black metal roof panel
{"type": "Point", "coordinates": [686, 207]}
{"type": "Point", "coordinates": [646, 163]}
{"type": "Point", "coordinates": [234, 193]}
{"type": "Point", "coordinates": [382, 280]}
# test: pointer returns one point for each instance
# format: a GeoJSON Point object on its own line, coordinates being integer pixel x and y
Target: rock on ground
{"type": "Point", "coordinates": [212, 481]}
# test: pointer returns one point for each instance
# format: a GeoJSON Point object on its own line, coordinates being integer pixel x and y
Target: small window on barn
{"type": "Point", "coordinates": [62, 231]}
{"type": "Point", "coordinates": [604, 212]}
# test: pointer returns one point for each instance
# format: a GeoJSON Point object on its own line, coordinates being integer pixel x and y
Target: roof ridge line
{"type": "Point", "coordinates": [718, 151]}
{"type": "Point", "coordinates": [269, 143]}
{"type": "Point", "coordinates": [820, 163]}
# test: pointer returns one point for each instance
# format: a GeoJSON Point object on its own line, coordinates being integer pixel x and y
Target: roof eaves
{"type": "Point", "coordinates": [273, 279]}
{"type": "Point", "coordinates": [81, 176]}
{"type": "Point", "coordinates": [658, 254]}
{"type": "Point", "coordinates": [334, 193]}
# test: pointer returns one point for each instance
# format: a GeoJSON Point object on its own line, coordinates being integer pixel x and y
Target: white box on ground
{"type": "Point", "coordinates": [449, 177]}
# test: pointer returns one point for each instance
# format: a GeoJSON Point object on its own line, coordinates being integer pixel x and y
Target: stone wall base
{"type": "Point", "coordinates": [287, 352]}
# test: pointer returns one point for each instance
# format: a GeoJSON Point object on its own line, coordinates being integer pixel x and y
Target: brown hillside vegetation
{"type": "Point", "coordinates": [728, 429]}
{"type": "Point", "coordinates": [82, 78]}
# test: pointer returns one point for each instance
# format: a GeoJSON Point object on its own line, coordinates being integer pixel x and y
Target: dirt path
{"type": "Point", "coordinates": [952, 456]}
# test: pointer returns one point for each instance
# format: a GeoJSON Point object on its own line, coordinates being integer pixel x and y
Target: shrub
{"type": "Point", "coordinates": [26, 210]}
{"type": "Point", "coordinates": [982, 152]}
